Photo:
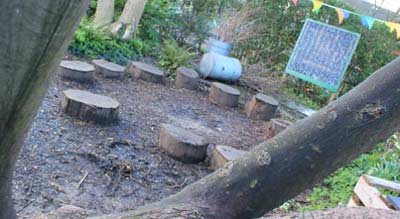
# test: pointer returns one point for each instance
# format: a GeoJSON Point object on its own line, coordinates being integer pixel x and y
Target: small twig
{"type": "Point", "coordinates": [25, 206]}
{"type": "Point", "coordinates": [82, 180]}
{"type": "Point", "coordinates": [180, 185]}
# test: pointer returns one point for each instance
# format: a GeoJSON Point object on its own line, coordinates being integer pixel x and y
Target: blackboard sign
{"type": "Point", "coordinates": [322, 54]}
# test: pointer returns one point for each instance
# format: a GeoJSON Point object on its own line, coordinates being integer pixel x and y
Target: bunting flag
{"type": "Point", "coordinates": [317, 6]}
{"type": "Point", "coordinates": [397, 28]}
{"type": "Point", "coordinates": [342, 14]}
{"type": "Point", "coordinates": [367, 21]}
{"type": "Point", "coordinates": [391, 26]}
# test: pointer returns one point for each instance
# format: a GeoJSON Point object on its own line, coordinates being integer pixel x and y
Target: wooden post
{"type": "Point", "coordinates": [220, 155]}
{"type": "Point", "coordinates": [90, 107]}
{"type": "Point", "coordinates": [77, 71]}
{"type": "Point", "coordinates": [262, 107]}
{"type": "Point", "coordinates": [187, 78]}
{"type": "Point", "coordinates": [182, 144]}
{"type": "Point", "coordinates": [146, 72]}
{"type": "Point", "coordinates": [109, 69]}
{"type": "Point", "coordinates": [224, 95]}
{"type": "Point", "coordinates": [278, 126]}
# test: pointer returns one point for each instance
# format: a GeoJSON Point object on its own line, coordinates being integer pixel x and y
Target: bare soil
{"type": "Point", "coordinates": [124, 167]}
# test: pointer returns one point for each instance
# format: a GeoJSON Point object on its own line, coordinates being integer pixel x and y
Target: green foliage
{"type": "Point", "coordinates": [383, 162]}
{"type": "Point", "coordinates": [281, 26]}
{"type": "Point", "coordinates": [185, 21]}
{"type": "Point", "coordinates": [172, 57]}
{"type": "Point", "coordinates": [92, 43]}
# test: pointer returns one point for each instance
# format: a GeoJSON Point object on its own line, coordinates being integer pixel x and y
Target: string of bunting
{"type": "Point", "coordinates": [343, 15]}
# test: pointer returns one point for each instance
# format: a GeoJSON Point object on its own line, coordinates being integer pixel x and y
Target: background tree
{"type": "Point", "coordinates": [34, 36]}
{"type": "Point", "coordinates": [104, 13]}
{"type": "Point", "coordinates": [129, 20]}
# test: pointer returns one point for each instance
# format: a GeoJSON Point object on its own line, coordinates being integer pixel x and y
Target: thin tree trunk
{"type": "Point", "coordinates": [104, 13]}
{"type": "Point", "coordinates": [293, 161]}
{"type": "Point", "coordinates": [130, 18]}
{"type": "Point", "coordinates": [34, 35]}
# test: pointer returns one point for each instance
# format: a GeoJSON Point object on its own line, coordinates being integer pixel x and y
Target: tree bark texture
{"type": "Point", "coordinates": [294, 160]}
{"type": "Point", "coordinates": [104, 13]}
{"type": "Point", "coordinates": [34, 35]}
{"type": "Point", "coordinates": [130, 18]}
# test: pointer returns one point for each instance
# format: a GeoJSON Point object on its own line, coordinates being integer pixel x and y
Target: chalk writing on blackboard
{"type": "Point", "coordinates": [322, 54]}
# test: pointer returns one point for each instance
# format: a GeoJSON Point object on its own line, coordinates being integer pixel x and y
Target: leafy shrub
{"type": "Point", "coordinates": [383, 162]}
{"type": "Point", "coordinates": [172, 57]}
{"type": "Point", "coordinates": [92, 43]}
{"type": "Point", "coordinates": [281, 24]}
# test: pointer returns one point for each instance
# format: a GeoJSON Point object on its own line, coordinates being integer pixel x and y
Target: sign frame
{"type": "Point", "coordinates": [325, 85]}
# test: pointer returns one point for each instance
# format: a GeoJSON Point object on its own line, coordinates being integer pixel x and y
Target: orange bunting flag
{"type": "Point", "coordinates": [342, 14]}
{"type": "Point", "coordinates": [317, 6]}
{"type": "Point", "coordinates": [295, 2]}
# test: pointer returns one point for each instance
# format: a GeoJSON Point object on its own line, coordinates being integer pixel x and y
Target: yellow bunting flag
{"type": "Point", "coordinates": [397, 28]}
{"type": "Point", "coordinates": [295, 2]}
{"type": "Point", "coordinates": [317, 6]}
{"type": "Point", "coordinates": [391, 26]}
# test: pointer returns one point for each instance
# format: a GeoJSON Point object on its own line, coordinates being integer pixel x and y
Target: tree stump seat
{"type": "Point", "coordinates": [224, 95]}
{"type": "Point", "coordinates": [146, 72]}
{"type": "Point", "coordinates": [187, 78]}
{"type": "Point", "coordinates": [77, 71]}
{"type": "Point", "coordinates": [262, 107]}
{"type": "Point", "coordinates": [182, 145]}
{"type": "Point", "coordinates": [90, 107]}
{"type": "Point", "coordinates": [278, 126]}
{"type": "Point", "coordinates": [220, 155]}
{"type": "Point", "coordinates": [109, 69]}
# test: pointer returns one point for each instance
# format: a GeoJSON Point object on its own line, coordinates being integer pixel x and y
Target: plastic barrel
{"type": "Point", "coordinates": [219, 47]}
{"type": "Point", "coordinates": [220, 67]}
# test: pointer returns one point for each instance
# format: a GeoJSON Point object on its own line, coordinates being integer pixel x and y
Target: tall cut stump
{"type": "Point", "coordinates": [90, 107]}
{"type": "Point", "coordinates": [220, 155]}
{"type": "Point", "coordinates": [262, 107]}
{"type": "Point", "coordinates": [109, 69]}
{"type": "Point", "coordinates": [224, 95]}
{"type": "Point", "coordinates": [146, 72]}
{"type": "Point", "coordinates": [77, 71]}
{"type": "Point", "coordinates": [182, 144]}
{"type": "Point", "coordinates": [278, 126]}
{"type": "Point", "coordinates": [187, 78]}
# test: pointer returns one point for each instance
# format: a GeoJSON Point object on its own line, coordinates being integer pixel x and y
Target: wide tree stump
{"type": "Point", "coordinates": [224, 95]}
{"type": "Point", "coordinates": [109, 69]}
{"type": "Point", "coordinates": [146, 72]}
{"type": "Point", "coordinates": [262, 107]}
{"type": "Point", "coordinates": [278, 126]}
{"type": "Point", "coordinates": [182, 145]}
{"type": "Point", "coordinates": [187, 78]}
{"type": "Point", "coordinates": [90, 107]}
{"type": "Point", "coordinates": [220, 155]}
{"type": "Point", "coordinates": [77, 71]}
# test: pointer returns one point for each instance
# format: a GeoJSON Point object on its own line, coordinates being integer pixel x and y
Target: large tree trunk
{"type": "Point", "coordinates": [34, 35]}
{"type": "Point", "coordinates": [104, 13]}
{"type": "Point", "coordinates": [130, 18]}
{"type": "Point", "coordinates": [296, 159]}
